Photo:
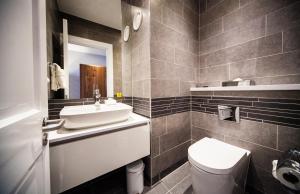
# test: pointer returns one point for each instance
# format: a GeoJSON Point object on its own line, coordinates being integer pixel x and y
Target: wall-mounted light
{"type": "Point", "coordinates": [137, 20]}
{"type": "Point", "coordinates": [126, 33]}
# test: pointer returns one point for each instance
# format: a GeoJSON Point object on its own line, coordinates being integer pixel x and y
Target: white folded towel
{"type": "Point", "coordinates": [57, 77]}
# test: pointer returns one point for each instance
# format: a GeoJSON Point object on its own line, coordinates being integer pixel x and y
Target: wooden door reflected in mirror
{"type": "Point", "coordinates": [92, 77]}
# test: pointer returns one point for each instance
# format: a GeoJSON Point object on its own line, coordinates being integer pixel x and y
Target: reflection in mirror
{"type": "Point", "coordinates": [84, 47]}
{"type": "Point", "coordinates": [90, 66]}
{"type": "Point", "coordinates": [87, 71]}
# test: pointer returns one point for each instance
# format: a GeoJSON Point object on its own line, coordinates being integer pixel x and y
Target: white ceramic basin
{"type": "Point", "coordinates": [85, 116]}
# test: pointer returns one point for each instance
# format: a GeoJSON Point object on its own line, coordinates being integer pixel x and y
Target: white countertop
{"type": "Point", "coordinates": [62, 135]}
{"type": "Point", "coordinates": [277, 87]}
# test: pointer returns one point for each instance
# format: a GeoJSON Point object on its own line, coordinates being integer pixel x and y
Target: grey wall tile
{"type": "Point", "coordinates": [169, 158]}
{"type": "Point", "coordinates": [248, 31]}
{"type": "Point", "coordinates": [281, 64]}
{"type": "Point", "coordinates": [211, 3]}
{"type": "Point", "coordinates": [179, 121]}
{"type": "Point", "coordinates": [283, 19]}
{"type": "Point", "coordinates": [202, 6]}
{"type": "Point", "coordinates": [252, 10]}
{"type": "Point", "coordinates": [244, 2]}
{"type": "Point", "coordinates": [185, 58]}
{"type": "Point", "coordinates": [216, 73]}
{"type": "Point", "coordinates": [173, 139]}
{"type": "Point", "coordinates": [141, 71]}
{"type": "Point", "coordinates": [184, 73]}
{"type": "Point", "coordinates": [156, 10]}
{"type": "Point", "coordinates": [163, 70]}
{"type": "Point", "coordinates": [174, 5]}
{"type": "Point", "coordinates": [164, 88]}
{"type": "Point", "coordinates": [210, 29]}
{"type": "Point", "coordinates": [166, 35]}
{"type": "Point", "coordinates": [291, 39]}
{"type": "Point", "coordinates": [288, 137]}
{"type": "Point", "coordinates": [286, 79]}
{"type": "Point", "coordinates": [158, 126]}
{"type": "Point", "coordinates": [178, 131]}
{"type": "Point", "coordinates": [154, 146]}
{"type": "Point", "coordinates": [184, 87]}
{"type": "Point", "coordinates": [256, 48]}
{"type": "Point", "coordinates": [193, 46]}
{"type": "Point", "coordinates": [260, 156]}
{"type": "Point", "coordinates": [259, 133]}
{"type": "Point", "coordinates": [192, 4]}
{"type": "Point", "coordinates": [198, 133]}
{"type": "Point", "coordinates": [218, 11]}
{"type": "Point", "coordinates": [162, 51]}
{"type": "Point", "coordinates": [141, 88]}
{"type": "Point", "coordinates": [243, 69]}
{"type": "Point", "coordinates": [190, 16]}
{"type": "Point", "coordinates": [173, 20]}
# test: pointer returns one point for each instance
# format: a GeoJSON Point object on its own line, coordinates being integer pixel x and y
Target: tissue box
{"type": "Point", "coordinates": [230, 83]}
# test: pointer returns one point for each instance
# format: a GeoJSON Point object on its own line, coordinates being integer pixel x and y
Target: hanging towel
{"type": "Point", "coordinates": [57, 77]}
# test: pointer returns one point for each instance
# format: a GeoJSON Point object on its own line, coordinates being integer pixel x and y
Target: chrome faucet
{"type": "Point", "coordinates": [97, 96]}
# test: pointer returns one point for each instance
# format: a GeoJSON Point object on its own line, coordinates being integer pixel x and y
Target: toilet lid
{"type": "Point", "coordinates": [215, 156]}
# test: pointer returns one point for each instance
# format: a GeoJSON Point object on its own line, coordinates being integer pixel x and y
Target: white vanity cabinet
{"type": "Point", "coordinates": [79, 156]}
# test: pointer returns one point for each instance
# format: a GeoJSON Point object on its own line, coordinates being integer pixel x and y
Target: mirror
{"type": "Point", "coordinates": [84, 48]}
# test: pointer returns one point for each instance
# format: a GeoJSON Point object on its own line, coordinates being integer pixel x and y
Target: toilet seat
{"type": "Point", "coordinates": [215, 156]}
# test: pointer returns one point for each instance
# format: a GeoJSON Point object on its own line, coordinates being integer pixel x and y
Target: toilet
{"type": "Point", "coordinates": [218, 167]}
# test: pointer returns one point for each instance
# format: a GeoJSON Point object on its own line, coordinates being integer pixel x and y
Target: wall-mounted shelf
{"type": "Point", "coordinates": [249, 88]}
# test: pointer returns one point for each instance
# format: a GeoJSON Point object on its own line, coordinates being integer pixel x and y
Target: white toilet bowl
{"type": "Point", "coordinates": [218, 167]}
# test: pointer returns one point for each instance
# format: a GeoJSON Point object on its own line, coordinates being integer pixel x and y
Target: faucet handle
{"type": "Point", "coordinates": [97, 93]}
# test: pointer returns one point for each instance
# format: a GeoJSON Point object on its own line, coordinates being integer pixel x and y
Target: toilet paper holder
{"type": "Point", "coordinates": [229, 113]}
{"type": "Point", "coordinates": [287, 169]}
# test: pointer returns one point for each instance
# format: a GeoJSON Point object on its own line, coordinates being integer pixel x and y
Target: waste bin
{"type": "Point", "coordinates": [135, 177]}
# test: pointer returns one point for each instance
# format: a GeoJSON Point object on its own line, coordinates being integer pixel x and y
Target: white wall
{"type": "Point", "coordinates": [75, 59]}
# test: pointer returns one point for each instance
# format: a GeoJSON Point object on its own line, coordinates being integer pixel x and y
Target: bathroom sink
{"type": "Point", "coordinates": [85, 116]}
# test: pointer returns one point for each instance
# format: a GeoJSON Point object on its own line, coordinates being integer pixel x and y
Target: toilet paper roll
{"type": "Point", "coordinates": [287, 169]}
{"type": "Point", "coordinates": [289, 177]}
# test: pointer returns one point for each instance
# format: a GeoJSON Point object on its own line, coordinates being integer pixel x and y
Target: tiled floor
{"type": "Point", "coordinates": [178, 182]}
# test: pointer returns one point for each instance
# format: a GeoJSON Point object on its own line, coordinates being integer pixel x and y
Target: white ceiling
{"type": "Point", "coordinates": [88, 50]}
{"type": "Point", "coordinates": [105, 12]}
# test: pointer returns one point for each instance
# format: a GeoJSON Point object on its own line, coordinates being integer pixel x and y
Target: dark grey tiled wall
{"type": "Point", "coordinates": [254, 39]}
{"type": "Point", "coordinates": [274, 128]}
{"type": "Point", "coordinates": [173, 62]}
{"type": "Point", "coordinates": [126, 51]}
{"type": "Point", "coordinates": [170, 139]}
{"type": "Point", "coordinates": [136, 57]}
{"type": "Point", "coordinates": [257, 40]}
{"type": "Point", "coordinates": [173, 47]}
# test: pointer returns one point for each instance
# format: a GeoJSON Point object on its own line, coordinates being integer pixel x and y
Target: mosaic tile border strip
{"type": "Point", "coordinates": [167, 106]}
{"type": "Point", "coordinates": [269, 110]}
{"type": "Point", "coordinates": [141, 106]}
